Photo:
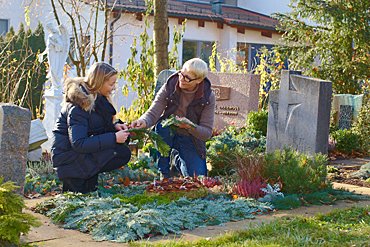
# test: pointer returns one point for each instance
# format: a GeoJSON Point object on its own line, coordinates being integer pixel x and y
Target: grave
{"type": "Point", "coordinates": [299, 114]}
{"type": "Point", "coordinates": [346, 108]}
{"type": "Point", "coordinates": [14, 137]}
{"type": "Point", "coordinates": [236, 95]}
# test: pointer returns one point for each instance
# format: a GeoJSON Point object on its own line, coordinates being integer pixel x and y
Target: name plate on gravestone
{"type": "Point", "coordinates": [299, 114]}
{"type": "Point", "coordinates": [236, 95]}
{"type": "Point", "coordinates": [221, 93]}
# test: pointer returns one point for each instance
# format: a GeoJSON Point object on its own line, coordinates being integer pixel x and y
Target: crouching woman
{"type": "Point", "coordinates": [86, 142]}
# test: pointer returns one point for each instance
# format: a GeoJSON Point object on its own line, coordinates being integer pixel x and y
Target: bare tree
{"type": "Point", "coordinates": [88, 42]}
{"type": "Point", "coordinates": [160, 36]}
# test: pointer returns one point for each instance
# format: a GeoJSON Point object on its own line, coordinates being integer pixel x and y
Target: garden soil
{"type": "Point", "coordinates": [50, 234]}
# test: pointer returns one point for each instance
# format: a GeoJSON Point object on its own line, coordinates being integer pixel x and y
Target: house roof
{"type": "Point", "coordinates": [231, 15]}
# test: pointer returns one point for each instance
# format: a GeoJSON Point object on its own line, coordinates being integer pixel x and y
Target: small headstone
{"type": "Point", "coordinates": [236, 95]}
{"type": "Point", "coordinates": [345, 116]}
{"type": "Point", "coordinates": [299, 114]}
{"type": "Point", "coordinates": [162, 78]}
{"type": "Point", "coordinates": [339, 100]}
{"type": "Point", "coordinates": [14, 137]}
{"type": "Point", "coordinates": [37, 135]}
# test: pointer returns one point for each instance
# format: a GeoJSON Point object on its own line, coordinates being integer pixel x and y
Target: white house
{"type": "Point", "coordinates": [241, 25]}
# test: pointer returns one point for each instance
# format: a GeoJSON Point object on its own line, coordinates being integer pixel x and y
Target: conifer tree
{"type": "Point", "coordinates": [329, 39]}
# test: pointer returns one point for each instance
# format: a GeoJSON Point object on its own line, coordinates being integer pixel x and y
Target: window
{"type": "Point", "coordinates": [4, 26]}
{"type": "Point", "coordinates": [246, 53]}
{"type": "Point", "coordinates": [201, 49]}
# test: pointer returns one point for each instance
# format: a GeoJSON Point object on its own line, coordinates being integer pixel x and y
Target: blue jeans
{"type": "Point", "coordinates": [187, 159]}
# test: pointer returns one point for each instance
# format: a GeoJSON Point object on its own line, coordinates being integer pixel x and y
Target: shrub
{"type": "Point", "coordinates": [362, 125]}
{"type": "Point", "coordinates": [346, 140]}
{"type": "Point", "coordinates": [12, 221]}
{"type": "Point", "coordinates": [298, 173]}
{"type": "Point", "coordinates": [257, 122]}
{"type": "Point", "coordinates": [224, 149]}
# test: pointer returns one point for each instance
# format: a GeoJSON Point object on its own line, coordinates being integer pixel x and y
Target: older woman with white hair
{"type": "Point", "coordinates": [187, 94]}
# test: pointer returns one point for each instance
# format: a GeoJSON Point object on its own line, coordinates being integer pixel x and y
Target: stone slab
{"type": "Point", "coordinates": [15, 125]}
{"type": "Point", "coordinates": [299, 114]}
{"type": "Point", "coordinates": [236, 95]}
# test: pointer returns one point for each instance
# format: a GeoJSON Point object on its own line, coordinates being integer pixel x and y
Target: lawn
{"type": "Point", "coordinates": [346, 227]}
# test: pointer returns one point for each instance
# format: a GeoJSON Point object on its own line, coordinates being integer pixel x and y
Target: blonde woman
{"type": "Point", "coordinates": [187, 94]}
{"type": "Point", "coordinates": [86, 142]}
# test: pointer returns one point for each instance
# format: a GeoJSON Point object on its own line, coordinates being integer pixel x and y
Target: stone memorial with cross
{"type": "Point", "coordinates": [299, 114]}
{"type": "Point", "coordinates": [15, 125]}
{"type": "Point", "coordinates": [236, 95]}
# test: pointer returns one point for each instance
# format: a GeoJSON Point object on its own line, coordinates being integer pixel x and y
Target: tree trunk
{"type": "Point", "coordinates": [160, 36]}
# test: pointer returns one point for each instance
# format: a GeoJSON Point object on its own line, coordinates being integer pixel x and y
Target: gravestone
{"type": "Point", "coordinates": [236, 95]}
{"type": "Point", "coordinates": [162, 78]}
{"type": "Point", "coordinates": [299, 114]}
{"type": "Point", "coordinates": [345, 109]}
{"type": "Point", "coordinates": [14, 137]}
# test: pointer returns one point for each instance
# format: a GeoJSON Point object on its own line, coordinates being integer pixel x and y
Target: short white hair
{"type": "Point", "coordinates": [197, 66]}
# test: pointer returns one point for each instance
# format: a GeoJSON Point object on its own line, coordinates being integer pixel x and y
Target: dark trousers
{"type": "Point", "coordinates": [122, 157]}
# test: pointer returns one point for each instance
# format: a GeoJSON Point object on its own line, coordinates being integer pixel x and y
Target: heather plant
{"type": "Point", "coordinates": [297, 172]}
{"type": "Point", "coordinates": [250, 188]}
{"type": "Point", "coordinates": [248, 167]}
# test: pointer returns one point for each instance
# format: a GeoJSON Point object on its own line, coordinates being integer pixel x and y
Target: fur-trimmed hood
{"type": "Point", "coordinates": [75, 92]}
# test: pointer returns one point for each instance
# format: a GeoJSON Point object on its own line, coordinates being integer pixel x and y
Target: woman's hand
{"type": "Point", "coordinates": [121, 136]}
{"type": "Point", "coordinates": [119, 126]}
{"type": "Point", "coordinates": [139, 124]}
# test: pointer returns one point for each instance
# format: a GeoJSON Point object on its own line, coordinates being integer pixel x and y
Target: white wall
{"type": "Point", "coordinates": [127, 27]}
{"type": "Point", "coordinates": [13, 11]}
{"type": "Point", "coordinates": [266, 7]}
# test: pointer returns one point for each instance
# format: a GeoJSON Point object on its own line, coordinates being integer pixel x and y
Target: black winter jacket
{"type": "Point", "coordinates": [84, 136]}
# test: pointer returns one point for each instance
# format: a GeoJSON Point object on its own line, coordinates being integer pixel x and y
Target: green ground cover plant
{"type": "Point", "coordinates": [345, 227]}
{"type": "Point", "coordinates": [108, 218]}
{"type": "Point", "coordinates": [323, 197]}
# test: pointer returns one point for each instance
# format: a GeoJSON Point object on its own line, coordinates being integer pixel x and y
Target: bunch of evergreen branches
{"type": "Point", "coordinates": [157, 140]}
